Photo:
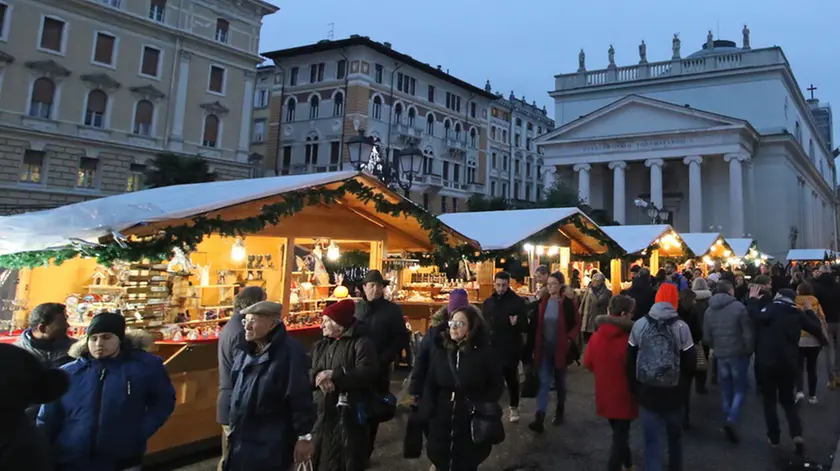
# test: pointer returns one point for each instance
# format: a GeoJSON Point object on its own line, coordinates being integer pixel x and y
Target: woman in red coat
{"type": "Point", "coordinates": [606, 356]}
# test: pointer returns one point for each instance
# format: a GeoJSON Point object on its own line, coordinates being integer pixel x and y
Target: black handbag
{"type": "Point", "coordinates": [530, 385]}
{"type": "Point", "coordinates": [486, 427]}
{"type": "Point", "coordinates": [413, 440]}
{"type": "Point", "coordinates": [381, 408]}
{"type": "Point", "coordinates": [573, 354]}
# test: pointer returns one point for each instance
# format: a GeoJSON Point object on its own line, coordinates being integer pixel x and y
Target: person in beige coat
{"type": "Point", "coordinates": [594, 304]}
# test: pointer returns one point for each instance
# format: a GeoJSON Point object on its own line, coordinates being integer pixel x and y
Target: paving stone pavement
{"type": "Point", "coordinates": [582, 443]}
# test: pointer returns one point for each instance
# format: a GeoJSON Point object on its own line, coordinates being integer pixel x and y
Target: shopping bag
{"type": "Point", "coordinates": [701, 359]}
{"type": "Point", "coordinates": [305, 466]}
{"type": "Point", "coordinates": [413, 440]}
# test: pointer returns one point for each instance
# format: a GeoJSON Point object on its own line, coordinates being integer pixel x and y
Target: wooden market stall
{"type": "Point", "coordinates": [747, 250]}
{"type": "Point", "coordinates": [710, 247]}
{"type": "Point", "coordinates": [561, 235]}
{"type": "Point", "coordinates": [286, 228]}
{"type": "Point", "coordinates": [647, 244]}
{"type": "Point", "coordinates": [810, 255]}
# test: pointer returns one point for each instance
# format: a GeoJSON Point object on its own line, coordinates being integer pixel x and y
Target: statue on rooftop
{"type": "Point", "coordinates": [643, 53]}
{"type": "Point", "coordinates": [746, 32]}
{"type": "Point", "coordinates": [710, 40]}
{"type": "Point", "coordinates": [675, 46]}
{"type": "Point", "coordinates": [611, 55]}
{"type": "Point", "coordinates": [581, 61]}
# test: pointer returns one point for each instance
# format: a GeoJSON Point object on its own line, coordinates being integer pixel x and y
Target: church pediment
{"type": "Point", "coordinates": [635, 115]}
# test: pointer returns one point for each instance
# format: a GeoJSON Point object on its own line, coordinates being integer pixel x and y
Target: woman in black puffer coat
{"type": "Point", "coordinates": [464, 347]}
{"type": "Point", "coordinates": [344, 370]}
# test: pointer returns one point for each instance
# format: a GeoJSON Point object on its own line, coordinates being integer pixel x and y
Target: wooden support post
{"type": "Point", "coordinates": [19, 317]}
{"type": "Point", "coordinates": [654, 262]}
{"type": "Point", "coordinates": [616, 273]}
{"type": "Point", "coordinates": [377, 253]}
{"type": "Point", "coordinates": [288, 268]}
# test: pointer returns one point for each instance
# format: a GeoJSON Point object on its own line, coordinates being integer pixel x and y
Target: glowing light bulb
{"type": "Point", "coordinates": [528, 247]}
{"type": "Point", "coordinates": [238, 252]}
{"type": "Point", "coordinates": [333, 252]}
{"type": "Point", "coordinates": [540, 250]}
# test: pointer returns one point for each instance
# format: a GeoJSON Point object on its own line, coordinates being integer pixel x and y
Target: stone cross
{"type": "Point", "coordinates": [812, 89]}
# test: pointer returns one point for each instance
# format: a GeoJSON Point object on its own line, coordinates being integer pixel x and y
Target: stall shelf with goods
{"type": "Point", "coordinates": [747, 250]}
{"type": "Point", "coordinates": [648, 245]}
{"type": "Point", "coordinates": [710, 247]}
{"type": "Point", "coordinates": [563, 238]}
{"type": "Point", "coordinates": [191, 248]}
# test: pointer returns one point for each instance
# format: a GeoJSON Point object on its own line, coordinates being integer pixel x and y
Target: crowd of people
{"type": "Point", "coordinates": [92, 404]}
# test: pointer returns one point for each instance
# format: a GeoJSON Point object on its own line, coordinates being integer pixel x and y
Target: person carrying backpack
{"type": "Point", "coordinates": [660, 363]}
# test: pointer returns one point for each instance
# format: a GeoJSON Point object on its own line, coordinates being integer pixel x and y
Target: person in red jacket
{"type": "Point", "coordinates": [606, 356]}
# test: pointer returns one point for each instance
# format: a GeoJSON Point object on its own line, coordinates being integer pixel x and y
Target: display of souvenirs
{"type": "Point", "coordinates": [180, 263]}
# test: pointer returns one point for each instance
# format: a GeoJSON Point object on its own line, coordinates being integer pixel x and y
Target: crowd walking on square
{"type": "Point", "coordinates": [92, 404]}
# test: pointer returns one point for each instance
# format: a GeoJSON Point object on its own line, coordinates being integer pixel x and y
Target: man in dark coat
{"type": "Point", "coordinates": [777, 332]}
{"type": "Point", "coordinates": [233, 335]}
{"type": "Point", "coordinates": [386, 325]}
{"type": "Point", "coordinates": [643, 293]}
{"type": "Point", "coordinates": [47, 339]}
{"type": "Point", "coordinates": [25, 382]}
{"type": "Point", "coordinates": [272, 412]}
{"type": "Point", "coordinates": [506, 316]}
{"type": "Point", "coordinates": [828, 294]}
{"type": "Point", "coordinates": [541, 278]}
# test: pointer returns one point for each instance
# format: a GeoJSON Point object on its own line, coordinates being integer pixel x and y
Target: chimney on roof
{"type": "Point", "coordinates": [440, 67]}
{"type": "Point", "coordinates": [354, 36]}
{"type": "Point", "coordinates": [447, 71]}
{"type": "Point", "coordinates": [323, 41]}
{"type": "Point", "coordinates": [387, 44]}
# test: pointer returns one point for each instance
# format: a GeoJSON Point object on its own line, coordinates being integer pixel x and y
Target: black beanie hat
{"type": "Point", "coordinates": [107, 322]}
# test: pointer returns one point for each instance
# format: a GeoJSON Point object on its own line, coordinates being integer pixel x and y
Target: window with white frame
{"type": "Point", "coordinates": [104, 47]}
{"type": "Point", "coordinates": [473, 138]}
{"type": "Point", "coordinates": [259, 130]}
{"type": "Point", "coordinates": [41, 101]}
{"type": "Point", "coordinates": [217, 80]}
{"type": "Point", "coordinates": [211, 131]}
{"type": "Point", "coordinates": [412, 113]}
{"type": "Point", "coordinates": [430, 125]}
{"type": "Point", "coordinates": [52, 34]}
{"type": "Point", "coordinates": [143, 118]}
{"type": "Point", "coordinates": [86, 176]}
{"type": "Point", "coordinates": [311, 157]}
{"type": "Point", "coordinates": [377, 107]}
{"type": "Point", "coordinates": [290, 109]}
{"type": "Point", "coordinates": [341, 69]}
{"type": "Point", "coordinates": [222, 30]}
{"type": "Point", "coordinates": [157, 10]}
{"type": "Point", "coordinates": [150, 62]}
{"type": "Point", "coordinates": [4, 12]}
{"type": "Point", "coordinates": [314, 106]}
{"type": "Point", "coordinates": [136, 177]}
{"type": "Point", "coordinates": [97, 104]}
{"type": "Point", "coordinates": [338, 104]}
{"type": "Point", "coordinates": [32, 167]}
{"type": "Point", "coordinates": [112, 3]}
{"type": "Point", "coordinates": [261, 98]}
{"type": "Point", "coordinates": [398, 110]}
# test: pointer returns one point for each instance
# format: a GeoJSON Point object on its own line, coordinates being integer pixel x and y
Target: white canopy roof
{"type": "Point", "coordinates": [700, 242]}
{"type": "Point", "coordinates": [634, 239]}
{"type": "Point", "coordinates": [740, 247]}
{"type": "Point", "coordinates": [93, 219]}
{"type": "Point", "coordinates": [807, 255]}
{"type": "Point", "coordinates": [499, 230]}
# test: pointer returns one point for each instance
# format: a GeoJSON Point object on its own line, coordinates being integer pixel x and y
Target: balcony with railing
{"type": "Point", "coordinates": [405, 131]}
{"type": "Point", "coordinates": [692, 65]}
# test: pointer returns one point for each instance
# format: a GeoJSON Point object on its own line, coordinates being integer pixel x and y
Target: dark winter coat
{"type": "Point", "coordinates": [531, 333]}
{"type": "Point", "coordinates": [828, 294]}
{"type": "Point", "coordinates": [701, 304]}
{"type": "Point", "coordinates": [112, 408]}
{"type": "Point", "coordinates": [506, 339]}
{"type": "Point", "coordinates": [606, 357]}
{"type": "Point", "coordinates": [450, 446]}
{"type": "Point", "coordinates": [727, 328]}
{"type": "Point", "coordinates": [643, 293]}
{"type": "Point", "coordinates": [386, 327]}
{"type": "Point", "coordinates": [778, 328]}
{"type": "Point", "coordinates": [271, 404]}
{"type": "Point", "coordinates": [232, 335]}
{"type": "Point", "coordinates": [567, 331]}
{"type": "Point", "coordinates": [25, 382]}
{"type": "Point", "coordinates": [51, 354]}
{"type": "Point", "coordinates": [341, 442]}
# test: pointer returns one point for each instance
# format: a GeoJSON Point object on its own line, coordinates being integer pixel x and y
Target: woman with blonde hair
{"type": "Point", "coordinates": [809, 347]}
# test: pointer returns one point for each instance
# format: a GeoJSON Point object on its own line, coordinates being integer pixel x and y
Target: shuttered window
{"type": "Point", "coordinates": [43, 92]}
{"type": "Point", "coordinates": [217, 79]}
{"type": "Point", "coordinates": [143, 116]}
{"type": "Point", "coordinates": [211, 131]}
{"type": "Point", "coordinates": [103, 52]}
{"type": "Point", "coordinates": [150, 60]}
{"type": "Point", "coordinates": [52, 33]}
{"type": "Point", "coordinates": [96, 105]}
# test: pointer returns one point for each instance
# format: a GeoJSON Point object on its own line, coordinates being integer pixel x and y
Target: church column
{"type": "Point", "coordinates": [583, 181]}
{"type": "Point", "coordinates": [736, 193]}
{"type": "Point", "coordinates": [619, 191]}
{"type": "Point", "coordinates": [655, 166]}
{"type": "Point", "coordinates": [695, 193]}
{"type": "Point", "coordinates": [245, 124]}
{"type": "Point", "coordinates": [176, 138]}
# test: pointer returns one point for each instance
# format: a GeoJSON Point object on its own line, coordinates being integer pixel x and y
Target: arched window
{"type": "Point", "coordinates": [377, 107]}
{"type": "Point", "coordinates": [143, 116]}
{"type": "Point", "coordinates": [430, 124]}
{"type": "Point", "coordinates": [311, 151]}
{"type": "Point", "coordinates": [411, 115]}
{"type": "Point", "coordinates": [290, 109]}
{"type": "Point", "coordinates": [41, 102]}
{"type": "Point", "coordinates": [97, 102]}
{"type": "Point", "coordinates": [314, 104]}
{"type": "Point", "coordinates": [798, 132]}
{"type": "Point", "coordinates": [446, 128]}
{"type": "Point", "coordinates": [493, 132]}
{"type": "Point", "coordinates": [398, 109]}
{"type": "Point", "coordinates": [338, 104]}
{"type": "Point", "coordinates": [457, 131]}
{"type": "Point", "coordinates": [428, 161]}
{"type": "Point", "coordinates": [518, 122]}
{"type": "Point", "coordinates": [222, 30]}
{"type": "Point", "coordinates": [473, 138]}
{"type": "Point", "coordinates": [211, 131]}
{"type": "Point", "coordinates": [504, 136]}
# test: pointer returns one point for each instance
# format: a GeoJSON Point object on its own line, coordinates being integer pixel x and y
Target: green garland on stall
{"type": "Point", "coordinates": [191, 234]}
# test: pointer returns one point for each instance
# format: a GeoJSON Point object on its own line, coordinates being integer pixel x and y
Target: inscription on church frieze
{"type": "Point", "coordinates": [650, 144]}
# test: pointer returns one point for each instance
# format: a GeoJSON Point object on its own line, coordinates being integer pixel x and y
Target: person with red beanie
{"type": "Point", "coordinates": [660, 364]}
{"type": "Point", "coordinates": [606, 357]}
{"type": "Point", "coordinates": [344, 370]}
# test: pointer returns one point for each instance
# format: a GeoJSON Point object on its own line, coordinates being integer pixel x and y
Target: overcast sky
{"type": "Point", "coordinates": [521, 45]}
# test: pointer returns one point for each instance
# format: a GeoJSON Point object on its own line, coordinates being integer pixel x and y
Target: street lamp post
{"type": "Point", "coordinates": [650, 209]}
{"type": "Point", "coordinates": [406, 165]}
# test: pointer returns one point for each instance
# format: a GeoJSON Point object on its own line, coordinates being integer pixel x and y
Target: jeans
{"type": "Point", "coordinates": [778, 385]}
{"type": "Point", "coordinates": [654, 424]}
{"type": "Point", "coordinates": [733, 377]}
{"type": "Point", "coordinates": [549, 373]}
{"type": "Point", "coordinates": [808, 363]}
{"type": "Point", "coordinates": [226, 429]}
{"type": "Point", "coordinates": [511, 375]}
{"type": "Point", "coordinates": [620, 454]}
